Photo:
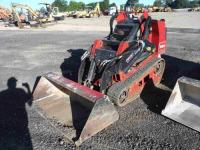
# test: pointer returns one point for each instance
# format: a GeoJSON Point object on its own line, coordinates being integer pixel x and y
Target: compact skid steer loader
{"type": "Point", "coordinates": [120, 65]}
{"type": "Point", "coordinates": [114, 70]}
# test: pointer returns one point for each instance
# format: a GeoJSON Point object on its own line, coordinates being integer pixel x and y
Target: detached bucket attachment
{"type": "Point", "coordinates": [184, 103]}
{"type": "Point", "coordinates": [76, 111]}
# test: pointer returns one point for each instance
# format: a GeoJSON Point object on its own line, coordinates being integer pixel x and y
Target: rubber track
{"type": "Point", "coordinates": [115, 90]}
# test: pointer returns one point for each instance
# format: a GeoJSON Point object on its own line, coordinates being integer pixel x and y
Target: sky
{"type": "Point", "coordinates": [34, 3]}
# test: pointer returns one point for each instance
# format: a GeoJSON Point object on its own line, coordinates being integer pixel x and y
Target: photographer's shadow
{"type": "Point", "coordinates": [14, 133]}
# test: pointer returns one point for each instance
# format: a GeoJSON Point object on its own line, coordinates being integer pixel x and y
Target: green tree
{"type": "Point", "coordinates": [180, 4]}
{"type": "Point", "coordinates": [73, 5]}
{"type": "Point", "coordinates": [61, 4]}
{"type": "Point", "coordinates": [193, 3]}
{"type": "Point", "coordinates": [131, 2]}
{"type": "Point", "coordinates": [158, 3]}
{"type": "Point", "coordinates": [92, 4]}
{"type": "Point", "coordinates": [140, 5]}
{"type": "Point", "coordinates": [81, 5]}
{"type": "Point", "coordinates": [104, 5]}
{"type": "Point", "coordinates": [169, 2]}
{"type": "Point", "coordinates": [112, 5]}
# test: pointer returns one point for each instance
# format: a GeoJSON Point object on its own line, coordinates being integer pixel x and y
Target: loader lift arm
{"type": "Point", "coordinates": [97, 8]}
{"type": "Point", "coordinates": [24, 7]}
{"type": "Point", "coordinates": [5, 13]}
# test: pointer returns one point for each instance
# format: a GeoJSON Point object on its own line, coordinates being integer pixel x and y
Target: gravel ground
{"type": "Point", "coordinates": [27, 55]}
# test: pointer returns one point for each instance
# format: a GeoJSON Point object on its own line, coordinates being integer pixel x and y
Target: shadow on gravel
{"type": "Point", "coordinates": [183, 30]}
{"type": "Point", "coordinates": [14, 133]}
{"type": "Point", "coordinates": [71, 65]}
{"type": "Point", "coordinates": [155, 98]}
{"type": "Point", "coordinates": [176, 68]}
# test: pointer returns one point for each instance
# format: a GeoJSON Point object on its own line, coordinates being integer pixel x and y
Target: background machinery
{"type": "Point", "coordinates": [196, 8]}
{"type": "Point", "coordinates": [114, 10]}
{"type": "Point", "coordinates": [57, 15]}
{"type": "Point", "coordinates": [164, 8]}
{"type": "Point", "coordinates": [49, 13]}
{"type": "Point", "coordinates": [105, 13]}
{"type": "Point", "coordinates": [141, 9]}
{"type": "Point", "coordinates": [18, 19]}
{"type": "Point", "coordinates": [69, 13]}
{"type": "Point", "coordinates": [45, 14]}
{"type": "Point", "coordinates": [95, 12]}
{"type": "Point", "coordinates": [152, 9]}
{"type": "Point", "coordinates": [5, 14]}
{"type": "Point", "coordinates": [79, 14]}
{"type": "Point", "coordinates": [113, 70]}
{"type": "Point", "coordinates": [88, 12]}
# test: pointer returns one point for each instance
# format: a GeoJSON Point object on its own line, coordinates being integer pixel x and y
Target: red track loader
{"type": "Point", "coordinates": [115, 70]}
{"type": "Point", "coordinates": [120, 65]}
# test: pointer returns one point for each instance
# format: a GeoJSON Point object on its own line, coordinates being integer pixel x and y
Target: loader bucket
{"type": "Point", "coordinates": [184, 103]}
{"type": "Point", "coordinates": [75, 111]}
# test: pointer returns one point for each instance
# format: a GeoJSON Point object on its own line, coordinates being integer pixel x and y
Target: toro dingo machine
{"type": "Point", "coordinates": [113, 71]}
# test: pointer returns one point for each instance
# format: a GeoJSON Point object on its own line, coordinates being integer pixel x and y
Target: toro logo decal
{"type": "Point", "coordinates": [162, 45]}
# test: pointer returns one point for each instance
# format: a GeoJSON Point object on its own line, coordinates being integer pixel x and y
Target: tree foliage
{"type": "Point", "coordinates": [168, 2]}
{"type": "Point", "coordinates": [131, 2]}
{"type": "Point", "coordinates": [193, 3]}
{"type": "Point", "coordinates": [92, 4]}
{"type": "Point", "coordinates": [104, 5]}
{"type": "Point", "coordinates": [73, 5]}
{"type": "Point", "coordinates": [158, 3]}
{"type": "Point", "coordinates": [61, 4]}
{"type": "Point", "coordinates": [181, 3]}
{"type": "Point", "coordinates": [112, 5]}
{"type": "Point", "coordinates": [140, 5]}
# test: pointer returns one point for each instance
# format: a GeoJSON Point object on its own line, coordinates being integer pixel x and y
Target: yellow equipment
{"type": "Point", "coordinates": [45, 15]}
{"type": "Point", "coordinates": [57, 15]}
{"type": "Point", "coordinates": [196, 8]}
{"type": "Point", "coordinates": [51, 12]}
{"type": "Point", "coordinates": [80, 14]}
{"type": "Point", "coordinates": [69, 13]}
{"type": "Point", "coordinates": [141, 9]}
{"type": "Point", "coordinates": [39, 17]}
{"type": "Point", "coordinates": [165, 8]}
{"type": "Point", "coordinates": [32, 16]}
{"type": "Point", "coordinates": [95, 12]}
{"type": "Point", "coordinates": [88, 13]}
{"type": "Point", "coordinates": [152, 9]}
